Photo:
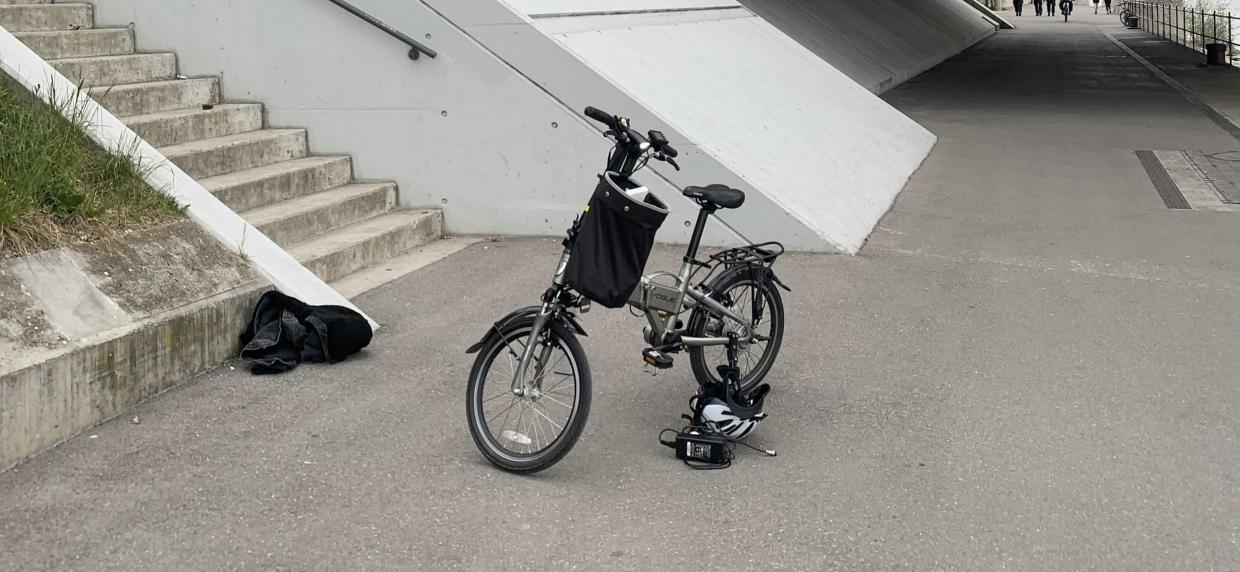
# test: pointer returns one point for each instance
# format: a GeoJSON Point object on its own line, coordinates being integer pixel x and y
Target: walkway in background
{"type": "Point", "coordinates": [1032, 365]}
{"type": "Point", "coordinates": [1218, 86]}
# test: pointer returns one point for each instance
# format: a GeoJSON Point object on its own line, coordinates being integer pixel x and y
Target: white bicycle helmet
{"type": "Point", "coordinates": [734, 423]}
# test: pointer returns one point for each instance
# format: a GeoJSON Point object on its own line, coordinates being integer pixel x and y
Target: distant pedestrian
{"type": "Point", "coordinates": [1096, 3]}
{"type": "Point", "coordinates": [1108, 2]}
{"type": "Point", "coordinates": [1037, 7]}
{"type": "Point", "coordinates": [1017, 5]}
{"type": "Point", "coordinates": [1050, 8]}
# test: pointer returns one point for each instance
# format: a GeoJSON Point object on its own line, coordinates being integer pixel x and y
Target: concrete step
{"type": "Point", "coordinates": [210, 157]}
{"type": "Point", "coordinates": [156, 96]}
{"type": "Point", "coordinates": [79, 43]}
{"type": "Point", "coordinates": [111, 70]}
{"type": "Point", "coordinates": [46, 17]}
{"type": "Point", "coordinates": [10, 2]}
{"type": "Point", "coordinates": [297, 220]}
{"type": "Point", "coordinates": [179, 126]}
{"type": "Point", "coordinates": [368, 243]}
{"type": "Point", "coordinates": [269, 184]}
{"type": "Point", "coordinates": [414, 259]}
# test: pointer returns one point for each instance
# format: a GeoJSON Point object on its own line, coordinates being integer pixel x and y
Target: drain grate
{"type": "Point", "coordinates": [1166, 187]}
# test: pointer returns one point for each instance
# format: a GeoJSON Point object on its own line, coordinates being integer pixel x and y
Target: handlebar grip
{"type": "Point", "coordinates": [670, 151]}
{"type": "Point", "coordinates": [600, 116]}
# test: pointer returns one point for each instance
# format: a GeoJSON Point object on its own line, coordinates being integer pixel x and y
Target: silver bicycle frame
{"type": "Point", "coordinates": [660, 325]}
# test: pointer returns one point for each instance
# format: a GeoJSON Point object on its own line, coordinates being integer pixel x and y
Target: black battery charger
{"type": "Point", "coordinates": [700, 447]}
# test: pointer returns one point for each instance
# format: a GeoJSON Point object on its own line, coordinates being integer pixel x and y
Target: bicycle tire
{"type": "Point", "coordinates": [486, 442]}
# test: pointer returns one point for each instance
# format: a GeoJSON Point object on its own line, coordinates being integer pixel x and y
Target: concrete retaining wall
{"type": "Point", "coordinates": [795, 132]}
{"type": "Point", "coordinates": [879, 43]}
{"type": "Point", "coordinates": [88, 331]}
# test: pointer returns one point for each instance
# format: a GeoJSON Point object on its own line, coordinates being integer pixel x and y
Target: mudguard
{"type": "Point", "coordinates": [496, 329]}
{"type": "Point", "coordinates": [759, 272]}
{"type": "Point", "coordinates": [764, 273]}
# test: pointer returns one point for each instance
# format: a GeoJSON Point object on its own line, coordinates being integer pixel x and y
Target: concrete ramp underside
{"type": "Point", "coordinates": [821, 156]}
{"type": "Point", "coordinates": [878, 43]}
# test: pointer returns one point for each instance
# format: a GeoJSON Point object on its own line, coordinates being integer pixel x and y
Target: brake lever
{"type": "Point", "coordinates": [671, 161]}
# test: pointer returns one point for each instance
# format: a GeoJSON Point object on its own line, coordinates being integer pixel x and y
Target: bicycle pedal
{"type": "Point", "coordinates": [657, 358]}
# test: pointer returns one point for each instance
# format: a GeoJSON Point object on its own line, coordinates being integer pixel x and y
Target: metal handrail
{"type": "Point", "coordinates": [416, 48]}
{"type": "Point", "coordinates": [1188, 27]}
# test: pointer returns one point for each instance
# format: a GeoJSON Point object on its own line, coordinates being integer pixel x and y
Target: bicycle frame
{"type": "Point", "coordinates": [726, 299]}
{"type": "Point", "coordinates": [630, 154]}
{"type": "Point", "coordinates": [556, 301]}
{"type": "Point", "coordinates": [661, 321]}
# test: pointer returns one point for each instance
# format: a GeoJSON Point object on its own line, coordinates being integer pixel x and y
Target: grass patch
{"type": "Point", "coordinates": [58, 187]}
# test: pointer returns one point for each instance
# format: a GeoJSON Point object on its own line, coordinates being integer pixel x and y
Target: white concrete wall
{"type": "Point", "coordinates": [798, 132]}
{"type": "Point", "coordinates": [878, 43]}
{"type": "Point", "coordinates": [463, 132]}
{"type": "Point", "coordinates": [491, 131]}
{"type": "Point", "coordinates": [538, 8]}
{"type": "Point", "coordinates": [829, 156]}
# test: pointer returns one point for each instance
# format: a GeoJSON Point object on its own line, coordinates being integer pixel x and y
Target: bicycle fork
{"type": "Point", "coordinates": [519, 385]}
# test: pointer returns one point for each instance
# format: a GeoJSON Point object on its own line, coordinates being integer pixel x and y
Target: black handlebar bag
{"type": "Point", "coordinates": [613, 241]}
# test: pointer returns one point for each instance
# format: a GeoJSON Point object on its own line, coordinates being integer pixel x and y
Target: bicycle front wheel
{"type": "Point", "coordinates": [528, 431]}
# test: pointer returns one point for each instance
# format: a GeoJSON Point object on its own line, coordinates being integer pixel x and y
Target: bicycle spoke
{"type": "Point", "coordinates": [534, 428]}
{"type": "Point", "coordinates": [549, 420]}
{"type": "Point", "coordinates": [507, 413]}
{"type": "Point", "coordinates": [538, 428]}
{"type": "Point", "coordinates": [516, 354]}
{"type": "Point", "coordinates": [545, 396]}
{"type": "Point", "coordinates": [559, 383]}
{"type": "Point", "coordinates": [513, 357]}
{"type": "Point", "coordinates": [557, 362]}
{"type": "Point", "coordinates": [512, 367]}
{"type": "Point", "coordinates": [551, 436]}
{"type": "Point", "coordinates": [496, 396]}
{"type": "Point", "coordinates": [504, 410]}
{"type": "Point", "coordinates": [527, 429]}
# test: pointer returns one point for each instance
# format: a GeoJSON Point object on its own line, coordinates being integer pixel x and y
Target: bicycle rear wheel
{"type": "Point", "coordinates": [529, 432]}
{"type": "Point", "coordinates": [757, 301]}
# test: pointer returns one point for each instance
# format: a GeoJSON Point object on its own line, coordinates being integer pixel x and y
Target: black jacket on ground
{"type": "Point", "coordinates": [285, 331]}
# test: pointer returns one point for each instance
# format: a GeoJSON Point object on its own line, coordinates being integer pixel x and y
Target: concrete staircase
{"type": "Point", "coordinates": [348, 232]}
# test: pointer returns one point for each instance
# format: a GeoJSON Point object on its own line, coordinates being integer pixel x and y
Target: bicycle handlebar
{"type": "Point", "coordinates": [601, 116]}
{"type": "Point", "coordinates": [633, 145]}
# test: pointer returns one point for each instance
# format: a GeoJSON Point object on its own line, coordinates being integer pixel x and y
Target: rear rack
{"type": "Point", "coordinates": [763, 254]}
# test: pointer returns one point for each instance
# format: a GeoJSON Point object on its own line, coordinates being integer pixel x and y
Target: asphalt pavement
{"type": "Point", "coordinates": [1031, 365]}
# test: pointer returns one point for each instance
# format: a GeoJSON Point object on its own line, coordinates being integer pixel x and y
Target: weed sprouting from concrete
{"type": "Point", "coordinates": [245, 256]}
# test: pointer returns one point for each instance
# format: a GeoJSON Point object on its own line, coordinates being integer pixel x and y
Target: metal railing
{"type": "Point", "coordinates": [1189, 27]}
{"type": "Point", "coordinates": [416, 48]}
